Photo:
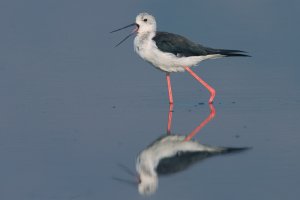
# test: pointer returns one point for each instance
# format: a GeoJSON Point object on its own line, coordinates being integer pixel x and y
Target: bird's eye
{"type": "Point", "coordinates": [145, 20]}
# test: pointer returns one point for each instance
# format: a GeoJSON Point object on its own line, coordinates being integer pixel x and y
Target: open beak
{"type": "Point", "coordinates": [134, 31]}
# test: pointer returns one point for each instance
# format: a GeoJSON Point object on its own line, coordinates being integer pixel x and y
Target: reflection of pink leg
{"type": "Point", "coordinates": [210, 89]}
{"type": "Point", "coordinates": [169, 88]}
{"type": "Point", "coordinates": [170, 119]}
{"type": "Point", "coordinates": [198, 128]}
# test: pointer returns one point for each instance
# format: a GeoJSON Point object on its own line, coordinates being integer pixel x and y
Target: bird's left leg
{"type": "Point", "coordinates": [169, 88]}
{"type": "Point", "coordinates": [210, 89]}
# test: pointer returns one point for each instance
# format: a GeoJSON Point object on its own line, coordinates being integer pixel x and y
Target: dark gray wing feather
{"type": "Point", "coordinates": [183, 160]}
{"type": "Point", "coordinates": [181, 46]}
{"type": "Point", "coordinates": [180, 162]}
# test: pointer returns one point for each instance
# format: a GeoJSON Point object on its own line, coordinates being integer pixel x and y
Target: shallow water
{"type": "Point", "coordinates": [73, 108]}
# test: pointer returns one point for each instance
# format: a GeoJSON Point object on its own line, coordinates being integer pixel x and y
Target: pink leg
{"type": "Point", "coordinates": [169, 89]}
{"type": "Point", "coordinates": [170, 119]}
{"type": "Point", "coordinates": [210, 89]}
{"type": "Point", "coordinates": [198, 128]}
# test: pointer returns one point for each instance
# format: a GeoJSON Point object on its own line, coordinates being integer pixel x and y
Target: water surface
{"type": "Point", "coordinates": [73, 107]}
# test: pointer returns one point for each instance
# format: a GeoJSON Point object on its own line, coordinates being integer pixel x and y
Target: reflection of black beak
{"type": "Point", "coordinates": [137, 177]}
{"type": "Point", "coordinates": [134, 31]}
{"type": "Point", "coordinates": [128, 182]}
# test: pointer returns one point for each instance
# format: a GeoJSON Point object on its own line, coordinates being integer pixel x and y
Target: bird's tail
{"type": "Point", "coordinates": [234, 149]}
{"type": "Point", "coordinates": [227, 52]}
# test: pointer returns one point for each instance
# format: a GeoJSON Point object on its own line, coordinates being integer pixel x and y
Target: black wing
{"type": "Point", "coordinates": [185, 159]}
{"type": "Point", "coordinates": [180, 162]}
{"type": "Point", "coordinates": [181, 46]}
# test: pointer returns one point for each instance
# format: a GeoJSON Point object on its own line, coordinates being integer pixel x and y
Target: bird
{"type": "Point", "coordinates": [171, 52]}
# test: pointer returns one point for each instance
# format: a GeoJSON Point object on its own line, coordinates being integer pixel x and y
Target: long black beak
{"type": "Point", "coordinates": [135, 30]}
{"type": "Point", "coordinates": [133, 24]}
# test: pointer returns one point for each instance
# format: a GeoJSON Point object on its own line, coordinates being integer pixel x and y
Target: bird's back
{"type": "Point", "coordinates": [183, 47]}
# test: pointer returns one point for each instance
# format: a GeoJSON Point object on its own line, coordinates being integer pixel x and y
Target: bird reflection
{"type": "Point", "coordinates": [174, 153]}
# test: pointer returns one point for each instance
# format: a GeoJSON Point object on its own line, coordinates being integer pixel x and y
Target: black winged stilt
{"type": "Point", "coordinates": [170, 52]}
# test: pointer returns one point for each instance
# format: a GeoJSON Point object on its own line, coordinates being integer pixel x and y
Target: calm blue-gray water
{"type": "Point", "coordinates": [74, 109]}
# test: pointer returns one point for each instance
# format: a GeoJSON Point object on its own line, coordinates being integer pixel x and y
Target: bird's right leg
{"type": "Point", "coordinates": [169, 88]}
{"type": "Point", "coordinates": [210, 89]}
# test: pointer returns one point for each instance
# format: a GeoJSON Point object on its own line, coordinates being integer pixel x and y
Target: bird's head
{"type": "Point", "coordinates": [145, 22]}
